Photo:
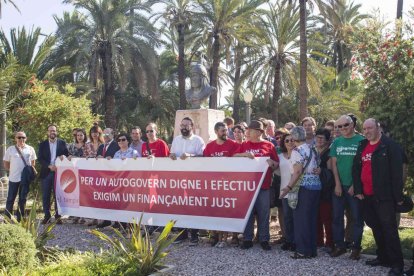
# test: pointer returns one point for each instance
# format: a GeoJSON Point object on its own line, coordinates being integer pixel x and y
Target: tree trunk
{"type": "Point", "coordinates": [303, 88]}
{"type": "Point", "coordinates": [400, 9]}
{"type": "Point", "coordinates": [237, 83]}
{"type": "Point", "coordinates": [109, 89]}
{"type": "Point", "coordinates": [181, 66]}
{"type": "Point", "coordinates": [340, 63]}
{"type": "Point", "coordinates": [267, 92]}
{"type": "Point", "coordinates": [277, 90]}
{"type": "Point", "coordinates": [214, 70]}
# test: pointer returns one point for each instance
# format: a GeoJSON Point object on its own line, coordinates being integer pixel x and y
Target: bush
{"type": "Point", "coordinates": [17, 247]}
{"type": "Point", "coordinates": [139, 255]}
{"type": "Point", "coordinates": [81, 264]}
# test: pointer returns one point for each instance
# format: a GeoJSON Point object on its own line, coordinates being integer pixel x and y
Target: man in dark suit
{"type": "Point", "coordinates": [107, 150]}
{"type": "Point", "coordinates": [49, 150]}
{"type": "Point", "coordinates": [110, 147]}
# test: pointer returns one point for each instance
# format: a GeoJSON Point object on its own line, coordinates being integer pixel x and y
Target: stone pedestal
{"type": "Point", "coordinates": [204, 121]}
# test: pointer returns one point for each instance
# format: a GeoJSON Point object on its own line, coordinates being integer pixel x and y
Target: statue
{"type": "Point", "coordinates": [200, 89]}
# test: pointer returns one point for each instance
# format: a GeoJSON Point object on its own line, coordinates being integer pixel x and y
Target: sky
{"type": "Point", "coordinates": [39, 13]}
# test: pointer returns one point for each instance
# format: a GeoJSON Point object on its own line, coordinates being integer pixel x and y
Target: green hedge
{"type": "Point", "coordinates": [17, 248]}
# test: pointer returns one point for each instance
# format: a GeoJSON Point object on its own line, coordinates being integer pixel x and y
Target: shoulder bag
{"type": "Point", "coordinates": [31, 169]}
{"type": "Point", "coordinates": [293, 194]}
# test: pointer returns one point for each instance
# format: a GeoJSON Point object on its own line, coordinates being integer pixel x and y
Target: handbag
{"type": "Point", "coordinates": [326, 176]}
{"type": "Point", "coordinates": [406, 206]}
{"type": "Point", "coordinates": [274, 192]}
{"type": "Point", "coordinates": [293, 194]}
{"type": "Point", "coordinates": [30, 167]}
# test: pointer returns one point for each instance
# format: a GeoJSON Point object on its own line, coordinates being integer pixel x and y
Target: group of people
{"type": "Point", "coordinates": [318, 174]}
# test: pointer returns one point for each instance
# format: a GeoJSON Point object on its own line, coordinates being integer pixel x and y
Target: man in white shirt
{"type": "Point", "coordinates": [184, 146]}
{"type": "Point", "coordinates": [13, 162]}
{"type": "Point", "coordinates": [187, 144]}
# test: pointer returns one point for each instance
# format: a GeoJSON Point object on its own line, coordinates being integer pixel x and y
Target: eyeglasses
{"type": "Point", "coordinates": [149, 131]}
{"type": "Point", "coordinates": [21, 137]}
{"type": "Point", "coordinates": [122, 139]}
{"type": "Point", "coordinates": [289, 141]}
{"type": "Point", "coordinates": [344, 125]}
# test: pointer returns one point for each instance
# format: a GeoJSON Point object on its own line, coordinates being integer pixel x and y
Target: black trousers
{"type": "Point", "coordinates": [380, 217]}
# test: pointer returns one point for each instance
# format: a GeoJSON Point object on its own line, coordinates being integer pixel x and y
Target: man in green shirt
{"type": "Point", "coordinates": [343, 150]}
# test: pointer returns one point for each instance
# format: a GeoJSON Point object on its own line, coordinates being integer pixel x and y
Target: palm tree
{"type": "Point", "coordinates": [224, 23]}
{"type": "Point", "coordinates": [29, 52]}
{"type": "Point", "coordinates": [8, 1]}
{"type": "Point", "coordinates": [116, 43]}
{"type": "Point", "coordinates": [339, 18]}
{"type": "Point", "coordinates": [178, 15]}
{"type": "Point", "coordinates": [276, 63]}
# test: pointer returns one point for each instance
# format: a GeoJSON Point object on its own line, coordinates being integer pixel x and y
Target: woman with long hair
{"type": "Point", "coordinates": [95, 140]}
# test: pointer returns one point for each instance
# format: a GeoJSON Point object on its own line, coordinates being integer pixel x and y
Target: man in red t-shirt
{"type": "Point", "coordinates": [222, 146]}
{"type": "Point", "coordinates": [377, 176]}
{"type": "Point", "coordinates": [155, 147]}
{"type": "Point", "coordinates": [258, 147]}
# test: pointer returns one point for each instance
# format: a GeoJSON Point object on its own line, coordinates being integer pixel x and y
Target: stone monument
{"type": "Point", "coordinates": [204, 119]}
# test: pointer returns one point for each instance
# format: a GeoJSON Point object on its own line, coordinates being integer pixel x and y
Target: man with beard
{"type": "Point", "coordinates": [378, 179]}
{"type": "Point", "coordinates": [221, 147]}
{"type": "Point", "coordinates": [184, 146]}
{"type": "Point", "coordinates": [49, 150]}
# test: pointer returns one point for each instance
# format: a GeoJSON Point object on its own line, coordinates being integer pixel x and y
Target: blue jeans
{"type": "Point", "coordinates": [48, 186]}
{"type": "Point", "coordinates": [288, 219]}
{"type": "Point", "coordinates": [14, 189]}
{"type": "Point", "coordinates": [305, 219]}
{"type": "Point", "coordinates": [262, 209]}
{"type": "Point", "coordinates": [338, 227]}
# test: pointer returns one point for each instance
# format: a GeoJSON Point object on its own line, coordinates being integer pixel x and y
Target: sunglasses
{"type": "Point", "coordinates": [149, 131]}
{"type": "Point", "coordinates": [122, 139]}
{"type": "Point", "coordinates": [289, 141]}
{"type": "Point", "coordinates": [344, 125]}
{"type": "Point", "coordinates": [21, 137]}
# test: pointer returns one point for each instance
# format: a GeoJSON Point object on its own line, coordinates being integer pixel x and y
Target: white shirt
{"type": "Point", "coordinates": [53, 148]}
{"type": "Point", "coordinates": [193, 145]}
{"type": "Point", "coordinates": [16, 162]}
{"type": "Point", "coordinates": [286, 171]}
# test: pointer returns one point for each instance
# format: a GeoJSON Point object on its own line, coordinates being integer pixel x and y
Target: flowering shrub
{"type": "Point", "coordinates": [43, 106]}
{"type": "Point", "coordinates": [384, 61]}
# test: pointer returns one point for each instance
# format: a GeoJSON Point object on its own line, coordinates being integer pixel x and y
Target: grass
{"type": "Point", "coordinates": [406, 237]}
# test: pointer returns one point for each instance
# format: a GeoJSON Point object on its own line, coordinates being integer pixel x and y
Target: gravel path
{"type": "Point", "coordinates": [206, 260]}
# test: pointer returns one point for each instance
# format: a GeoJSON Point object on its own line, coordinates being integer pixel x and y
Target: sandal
{"type": "Point", "coordinates": [297, 256]}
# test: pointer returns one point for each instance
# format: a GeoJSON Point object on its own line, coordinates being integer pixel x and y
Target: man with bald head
{"type": "Point", "coordinates": [343, 150]}
{"type": "Point", "coordinates": [15, 160]}
{"type": "Point", "coordinates": [378, 181]}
